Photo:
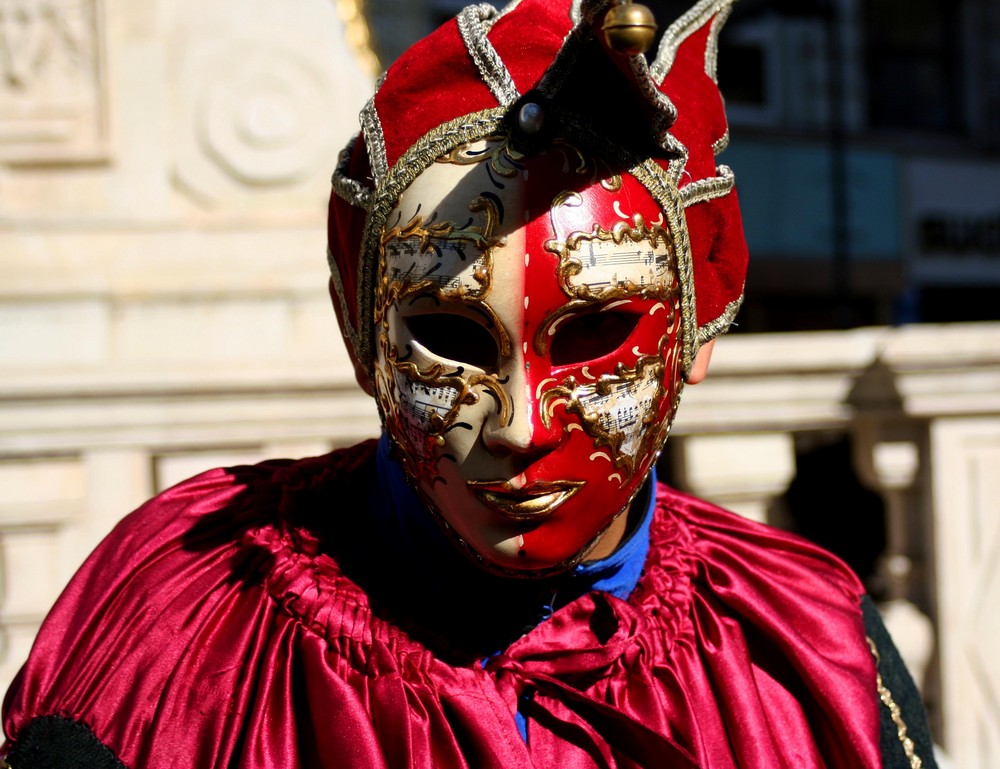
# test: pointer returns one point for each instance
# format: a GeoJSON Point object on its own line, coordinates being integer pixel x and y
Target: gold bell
{"type": "Point", "coordinates": [629, 28]}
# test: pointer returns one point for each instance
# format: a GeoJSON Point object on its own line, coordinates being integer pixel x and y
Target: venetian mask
{"type": "Point", "coordinates": [528, 350]}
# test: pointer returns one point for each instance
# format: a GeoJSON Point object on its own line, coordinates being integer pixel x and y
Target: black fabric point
{"type": "Point", "coordinates": [56, 742]}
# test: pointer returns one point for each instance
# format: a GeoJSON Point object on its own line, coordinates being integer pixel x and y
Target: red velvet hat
{"type": "Point", "coordinates": [539, 70]}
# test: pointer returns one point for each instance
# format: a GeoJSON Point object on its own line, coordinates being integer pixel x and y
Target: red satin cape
{"type": "Point", "coordinates": [214, 628]}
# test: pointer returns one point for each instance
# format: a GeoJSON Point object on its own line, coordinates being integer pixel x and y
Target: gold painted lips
{"type": "Point", "coordinates": [531, 502]}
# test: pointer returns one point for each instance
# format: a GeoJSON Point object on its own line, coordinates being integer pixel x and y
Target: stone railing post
{"type": "Point", "coordinates": [743, 472]}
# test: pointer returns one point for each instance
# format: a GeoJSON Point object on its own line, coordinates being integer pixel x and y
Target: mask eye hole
{"type": "Point", "coordinates": [455, 337]}
{"type": "Point", "coordinates": [591, 336]}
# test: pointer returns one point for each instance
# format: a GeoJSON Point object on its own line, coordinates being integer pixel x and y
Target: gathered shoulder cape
{"type": "Point", "coordinates": [245, 619]}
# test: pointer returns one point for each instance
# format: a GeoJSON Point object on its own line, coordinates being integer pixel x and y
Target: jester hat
{"type": "Point", "coordinates": [537, 71]}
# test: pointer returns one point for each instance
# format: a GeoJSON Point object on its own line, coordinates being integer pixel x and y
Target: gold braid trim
{"type": "Point", "coordinates": [350, 190]}
{"type": "Point", "coordinates": [720, 144]}
{"type": "Point", "coordinates": [681, 29]}
{"type": "Point", "coordinates": [720, 325]}
{"type": "Point", "coordinates": [664, 190]}
{"type": "Point", "coordinates": [894, 712]}
{"type": "Point", "coordinates": [709, 188]}
{"type": "Point", "coordinates": [712, 47]}
{"type": "Point", "coordinates": [473, 23]}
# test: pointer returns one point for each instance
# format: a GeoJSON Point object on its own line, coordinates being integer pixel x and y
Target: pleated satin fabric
{"type": "Point", "coordinates": [245, 618]}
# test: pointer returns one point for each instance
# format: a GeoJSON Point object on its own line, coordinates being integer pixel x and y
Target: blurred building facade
{"type": "Point", "coordinates": [164, 168]}
{"type": "Point", "coordinates": [867, 141]}
{"type": "Point", "coordinates": [866, 146]}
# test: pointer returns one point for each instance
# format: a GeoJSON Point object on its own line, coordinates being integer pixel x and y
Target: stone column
{"type": "Point", "coordinates": [743, 472]}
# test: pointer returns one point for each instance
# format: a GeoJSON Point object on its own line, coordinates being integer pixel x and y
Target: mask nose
{"type": "Point", "coordinates": [522, 433]}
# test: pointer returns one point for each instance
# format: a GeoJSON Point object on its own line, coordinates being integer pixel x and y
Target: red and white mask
{"type": "Point", "coordinates": [528, 350]}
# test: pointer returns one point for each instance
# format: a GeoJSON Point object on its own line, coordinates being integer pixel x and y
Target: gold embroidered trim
{"type": "Point", "coordinates": [713, 328]}
{"type": "Point", "coordinates": [393, 290]}
{"type": "Point", "coordinates": [347, 188]}
{"type": "Point", "coordinates": [647, 368]}
{"type": "Point", "coordinates": [710, 188]}
{"type": "Point", "coordinates": [677, 32]}
{"type": "Point", "coordinates": [472, 27]}
{"type": "Point", "coordinates": [720, 144]}
{"type": "Point", "coordinates": [909, 750]}
{"type": "Point", "coordinates": [4, 764]}
{"type": "Point", "coordinates": [436, 377]}
{"type": "Point", "coordinates": [371, 126]}
{"type": "Point", "coordinates": [349, 330]}
{"type": "Point", "coordinates": [712, 45]}
{"type": "Point", "coordinates": [663, 188]}
{"type": "Point", "coordinates": [356, 194]}
{"type": "Point", "coordinates": [503, 158]}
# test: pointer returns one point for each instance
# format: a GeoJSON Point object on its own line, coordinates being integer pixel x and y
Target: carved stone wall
{"type": "Point", "coordinates": [52, 81]}
{"type": "Point", "coordinates": [259, 110]}
{"type": "Point", "coordinates": [164, 171]}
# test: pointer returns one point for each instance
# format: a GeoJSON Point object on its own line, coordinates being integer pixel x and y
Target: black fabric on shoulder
{"type": "Point", "coordinates": [897, 680]}
{"type": "Point", "coordinates": [55, 742]}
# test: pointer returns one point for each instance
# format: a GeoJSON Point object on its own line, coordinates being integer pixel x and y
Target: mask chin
{"type": "Point", "coordinates": [500, 556]}
{"type": "Point", "coordinates": [528, 548]}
